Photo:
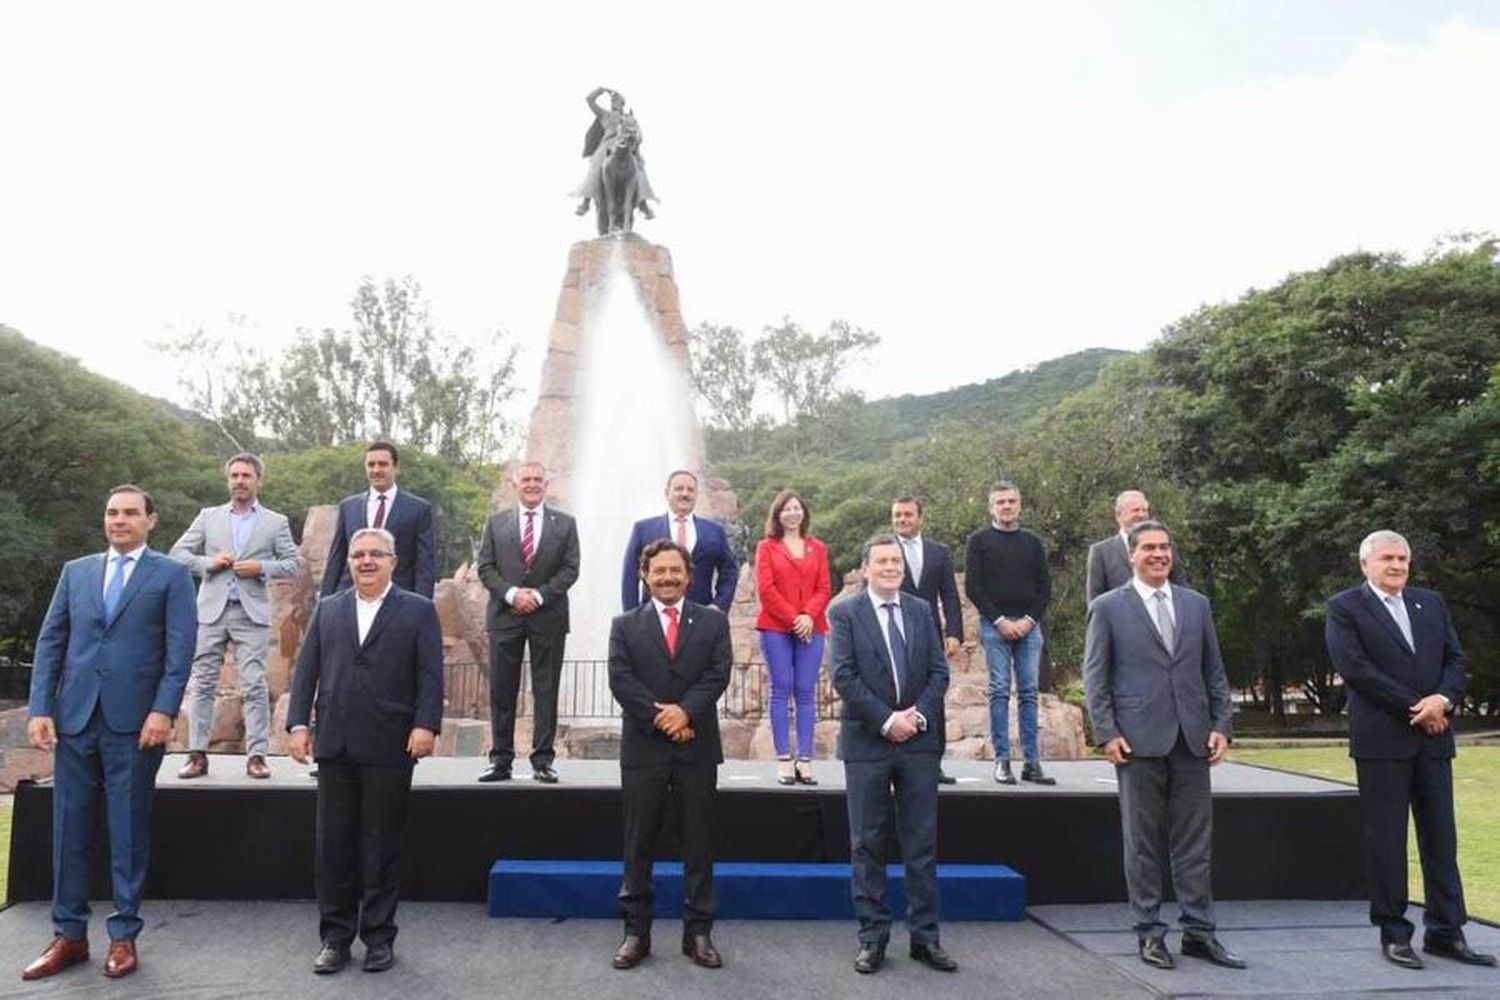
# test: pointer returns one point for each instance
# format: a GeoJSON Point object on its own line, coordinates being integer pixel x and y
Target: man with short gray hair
{"type": "Point", "coordinates": [234, 548]}
{"type": "Point", "coordinates": [1397, 650]}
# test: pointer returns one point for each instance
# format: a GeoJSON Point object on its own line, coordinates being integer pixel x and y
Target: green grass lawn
{"type": "Point", "coordinates": [1476, 788]}
{"type": "Point", "coordinates": [5, 801]}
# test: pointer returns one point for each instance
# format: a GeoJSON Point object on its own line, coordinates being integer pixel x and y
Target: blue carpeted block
{"type": "Point", "coordinates": [745, 890]}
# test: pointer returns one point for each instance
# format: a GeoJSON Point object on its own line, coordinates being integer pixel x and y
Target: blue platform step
{"type": "Point", "coordinates": [745, 890]}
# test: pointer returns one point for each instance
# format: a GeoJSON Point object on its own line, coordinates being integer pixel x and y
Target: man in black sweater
{"type": "Point", "coordinates": [1006, 577]}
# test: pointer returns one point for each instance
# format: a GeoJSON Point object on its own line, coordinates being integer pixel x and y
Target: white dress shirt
{"type": "Point", "coordinates": [1395, 606]}
{"type": "Point", "coordinates": [132, 558]}
{"type": "Point", "coordinates": [372, 504]}
{"type": "Point", "coordinates": [1148, 595]}
{"type": "Point", "coordinates": [691, 526]}
{"type": "Point", "coordinates": [536, 542]}
{"type": "Point", "coordinates": [365, 611]}
{"type": "Point", "coordinates": [912, 549]}
{"type": "Point", "coordinates": [881, 616]}
{"type": "Point", "coordinates": [661, 616]}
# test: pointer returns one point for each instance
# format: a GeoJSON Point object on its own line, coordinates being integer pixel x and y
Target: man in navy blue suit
{"type": "Point", "coordinates": [889, 669]}
{"type": "Point", "coordinates": [1398, 653]}
{"type": "Point", "coordinates": [715, 569]}
{"type": "Point", "coordinates": [112, 661]}
{"type": "Point", "coordinates": [404, 514]}
{"type": "Point", "coordinates": [372, 662]}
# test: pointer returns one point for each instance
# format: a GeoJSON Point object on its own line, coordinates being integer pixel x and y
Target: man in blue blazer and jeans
{"type": "Point", "coordinates": [112, 660]}
{"type": "Point", "coordinates": [1398, 653]}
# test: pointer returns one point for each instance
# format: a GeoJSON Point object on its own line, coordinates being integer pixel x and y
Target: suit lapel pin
{"type": "Point", "coordinates": [1416, 605]}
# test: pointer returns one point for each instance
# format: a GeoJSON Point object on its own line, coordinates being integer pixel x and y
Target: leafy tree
{"type": "Point", "coordinates": [804, 369]}
{"type": "Point", "coordinates": [724, 376]}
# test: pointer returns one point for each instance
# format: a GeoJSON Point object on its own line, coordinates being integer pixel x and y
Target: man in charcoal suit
{"type": "Point", "coordinates": [111, 663]}
{"type": "Point", "coordinates": [669, 661]}
{"type": "Point", "coordinates": [234, 548]}
{"type": "Point", "coordinates": [714, 567]}
{"type": "Point", "coordinates": [889, 669]}
{"type": "Point", "coordinates": [1397, 650]}
{"type": "Point", "coordinates": [372, 664]}
{"type": "Point", "coordinates": [1158, 698]}
{"type": "Point", "coordinates": [528, 558]}
{"type": "Point", "coordinates": [1109, 558]}
{"type": "Point", "coordinates": [405, 515]}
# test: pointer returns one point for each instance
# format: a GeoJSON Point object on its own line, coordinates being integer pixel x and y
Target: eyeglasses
{"type": "Point", "coordinates": [369, 554]}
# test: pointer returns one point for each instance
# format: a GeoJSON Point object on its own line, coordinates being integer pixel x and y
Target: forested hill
{"type": "Point", "coordinates": [860, 430]}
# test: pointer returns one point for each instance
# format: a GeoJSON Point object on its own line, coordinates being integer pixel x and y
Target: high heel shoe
{"type": "Point", "coordinates": [802, 770]}
{"type": "Point", "coordinates": [785, 775]}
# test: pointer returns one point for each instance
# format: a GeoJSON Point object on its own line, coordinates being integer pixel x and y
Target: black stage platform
{"type": "Point", "coordinates": [1276, 835]}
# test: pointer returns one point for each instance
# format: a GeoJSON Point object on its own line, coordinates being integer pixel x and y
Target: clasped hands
{"type": "Point", "coordinates": [903, 725]}
{"type": "Point", "coordinates": [673, 720]}
{"type": "Point", "coordinates": [156, 731]}
{"type": "Point", "coordinates": [526, 601]}
{"type": "Point", "coordinates": [1012, 629]}
{"type": "Point", "coordinates": [1431, 714]}
{"type": "Point", "coordinates": [241, 567]}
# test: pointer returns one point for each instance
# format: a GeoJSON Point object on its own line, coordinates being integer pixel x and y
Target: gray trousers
{"type": "Point", "coordinates": [249, 640]}
{"type": "Point", "coordinates": [1166, 801]}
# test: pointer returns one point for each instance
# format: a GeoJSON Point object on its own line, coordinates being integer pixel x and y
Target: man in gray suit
{"type": "Point", "coordinates": [234, 548]}
{"type": "Point", "coordinates": [1158, 699]}
{"type": "Point", "coordinates": [1109, 558]}
{"type": "Point", "coordinates": [528, 558]}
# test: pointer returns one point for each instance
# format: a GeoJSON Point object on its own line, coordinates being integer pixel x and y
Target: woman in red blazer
{"type": "Point", "coordinates": [792, 581]}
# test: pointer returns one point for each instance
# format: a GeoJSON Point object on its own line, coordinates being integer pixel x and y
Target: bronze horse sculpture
{"type": "Point", "coordinates": [619, 193]}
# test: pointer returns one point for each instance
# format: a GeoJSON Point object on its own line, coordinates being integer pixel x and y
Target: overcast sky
{"type": "Point", "coordinates": [985, 185]}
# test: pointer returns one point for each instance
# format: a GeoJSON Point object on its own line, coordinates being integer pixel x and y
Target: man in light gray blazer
{"type": "Point", "coordinates": [1159, 703]}
{"type": "Point", "coordinates": [234, 548]}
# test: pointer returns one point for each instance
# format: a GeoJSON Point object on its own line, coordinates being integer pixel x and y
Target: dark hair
{"type": "Point", "coordinates": [880, 538]}
{"type": "Point", "coordinates": [251, 460]}
{"type": "Point", "coordinates": [656, 548]}
{"type": "Point", "coordinates": [773, 519]}
{"type": "Point", "coordinates": [384, 446]}
{"type": "Point", "coordinates": [1004, 486]}
{"type": "Point", "coordinates": [1134, 534]}
{"type": "Point", "coordinates": [908, 498]}
{"type": "Point", "coordinates": [133, 488]}
{"type": "Point", "coordinates": [681, 472]}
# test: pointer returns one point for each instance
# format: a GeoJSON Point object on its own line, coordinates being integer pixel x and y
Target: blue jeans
{"type": "Point", "coordinates": [1024, 655]}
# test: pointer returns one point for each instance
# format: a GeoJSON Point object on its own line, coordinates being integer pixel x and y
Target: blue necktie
{"type": "Point", "coordinates": [898, 645]}
{"type": "Point", "coordinates": [115, 589]}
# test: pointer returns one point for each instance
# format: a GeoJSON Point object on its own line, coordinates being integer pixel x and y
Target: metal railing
{"type": "Point", "coordinates": [583, 691]}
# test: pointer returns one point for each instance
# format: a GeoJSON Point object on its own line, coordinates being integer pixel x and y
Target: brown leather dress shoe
{"type": "Point", "coordinates": [700, 948]}
{"type": "Point", "coordinates": [57, 956]}
{"type": "Point", "coordinates": [121, 958]}
{"type": "Point", "coordinates": [196, 766]}
{"type": "Point", "coordinates": [632, 952]}
{"type": "Point", "coordinates": [255, 767]}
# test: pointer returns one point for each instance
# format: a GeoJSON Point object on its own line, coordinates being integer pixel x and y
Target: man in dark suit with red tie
{"type": "Point", "coordinates": [528, 558]}
{"type": "Point", "coordinates": [372, 662]}
{"type": "Point", "coordinates": [1398, 653]}
{"type": "Point", "coordinates": [669, 662]}
{"type": "Point", "coordinates": [405, 515]}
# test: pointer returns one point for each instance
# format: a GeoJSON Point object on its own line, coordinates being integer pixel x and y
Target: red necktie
{"type": "Point", "coordinates": [379, 511]}
{"type": "Point", "coordinates": [528, 539]}
{"type": "Point", "coordinates": [682, 531]}
{"type": "Point", "coordinates": [671, 631]}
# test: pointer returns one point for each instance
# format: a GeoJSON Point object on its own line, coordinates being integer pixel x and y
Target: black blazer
{"type": "Point", "coordinates": [641, 674]}
{"type": "Point", "coordinates": [1384, 676]}
{"type": "Point", "coordinates": [554, 568]}
{"type": "Point", "coordinates": [409, 520]}
{"type": "Point", "coordinates": [938, 585]}
{"type": "Point", "coordinates": [863, 678]}
{"type": "Point", "coordinates": [369, 695]}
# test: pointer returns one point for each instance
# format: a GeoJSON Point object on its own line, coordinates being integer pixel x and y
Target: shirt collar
{"type": "Point", "coordinates": [390, 494]}
{"type": "Point", "coordinates": [1146, 590]}
{"type": "Point", "coordinates": [134, 555]}
{"type": "Point", "coordinates": [236, 512]}
{"type": "Point", "coordinates": [1381, 595]}
{"type": "Point", "coordinates": [522, 508]}
{"type": "Point", "coordinates": [672, 516]}
{"type": "Point", "coordinates": [376, 602]}
{"type": "Point", "coordinates": [1008, 531]}
{"type": "Point", "coordinates": [878, 601]}
{"type": "Point", "coordinates": [662, 608]}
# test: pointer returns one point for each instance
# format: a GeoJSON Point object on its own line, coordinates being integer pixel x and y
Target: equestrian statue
{"type": "Point", "coordinates": [616, 182]}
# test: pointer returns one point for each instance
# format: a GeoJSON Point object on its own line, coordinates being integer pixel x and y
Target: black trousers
{"type": "Point", "coordinates": [649, 795]}
{"type": "Point", "coordinates": [1389, 791]}
{"type": "Point", "coordinates": [506, 653]}
{"type": "Point", "coordinates": [361, 819]}
{"type": "Point", "coordinates": [900, 793]}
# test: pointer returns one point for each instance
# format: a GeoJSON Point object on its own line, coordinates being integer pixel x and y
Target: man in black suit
{"type": "Point", "coordinates": [929, 575]}
{"type": "Point", "coordinates": [528, 558]}
{"type": "Point", "coordinates": [372, 663]}
{"type": "Point", "coordinates": [889, 669]}
{"type": "Point", "coordinates": [669, 662]}
{"type": "Point", "coordinates": [1109, 558]}
{"type": "Point", "coordinates": [1398, 653]}
{"type": "Point", "coordinates": [405, 515]}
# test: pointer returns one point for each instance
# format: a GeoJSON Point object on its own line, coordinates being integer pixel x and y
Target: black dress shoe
{"type": "Point", "coordinates": [1033, 773]}
{"type": "Point", "coordinates": [496, 772]}
{"type": "Point", "coordinates": [1154, 953]}
{"type": "Point", "coordinates": [544, 774]}
{"type": "Point", "coordinates": [631, 952]}
{"type": "Point", "coordinates": [1209, 949]}
{"type": "Point", "coordinates": [1458, 950]}
{"type": "Point", "coordinates": [331, 959]}
{"type": "Point", "coordinates": [870, 958]}
{"type": "Point", "coordinates": [1003, 773]}
{"type": "Point", "coordinates": [934, 957]}
{"type": "Point", "coordinates": [379, 957]}
{"type": "Point", "coordinates": [700, 948]}
{"type": "Point", "coordinates": [1400, 953]}
{"type": "Point", "coordinates": [944, 778]}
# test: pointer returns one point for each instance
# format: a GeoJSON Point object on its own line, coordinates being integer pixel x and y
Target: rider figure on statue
{"type": "Point", "coordinates": [607, 126]}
